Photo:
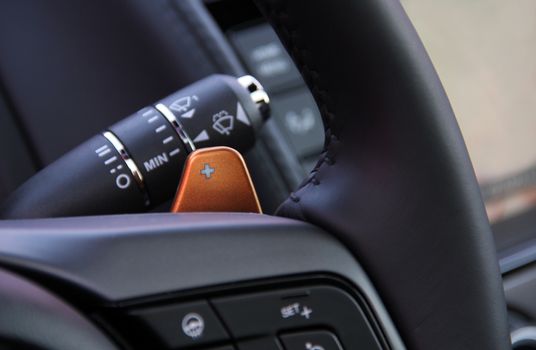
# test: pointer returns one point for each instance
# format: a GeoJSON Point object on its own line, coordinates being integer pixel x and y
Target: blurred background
{"type": "Point", "coordinates": [485, 54]}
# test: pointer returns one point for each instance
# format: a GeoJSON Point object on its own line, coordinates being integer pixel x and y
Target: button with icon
{"type": "Point", "coordinates": [183, 325]}
{"type": "Point", "coordinates": [286, 311]}
{"type": "Point", "coordinates": [314, 340]}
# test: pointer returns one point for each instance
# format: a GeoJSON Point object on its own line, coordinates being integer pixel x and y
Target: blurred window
{"type": "Point", "coordinates": [485, 54]}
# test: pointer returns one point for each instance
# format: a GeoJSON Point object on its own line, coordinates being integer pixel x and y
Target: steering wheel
{"type": "Point", "coordinates": [393, 192]}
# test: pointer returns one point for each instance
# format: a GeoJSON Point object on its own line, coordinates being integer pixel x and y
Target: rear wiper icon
{"type": "Point", "coordinates": [223, 122]}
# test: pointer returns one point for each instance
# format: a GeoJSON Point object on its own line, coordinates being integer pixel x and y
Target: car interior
{"type": "Point", "coordinates": [267, 175]}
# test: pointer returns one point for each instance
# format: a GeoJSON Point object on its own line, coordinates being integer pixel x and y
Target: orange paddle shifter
{"type": "Point", "coordinates": [216, 179]}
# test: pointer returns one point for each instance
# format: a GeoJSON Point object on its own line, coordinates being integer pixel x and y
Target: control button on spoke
{"type": "Point", "coordinates": [282, 311]}
{"type": "Point", "coordinates": [316, 340]}
{"type": "Point", "coordinates": [183, 325]}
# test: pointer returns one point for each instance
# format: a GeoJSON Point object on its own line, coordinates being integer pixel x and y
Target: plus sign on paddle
{"type": "Point", "coordinates": [207, 171]}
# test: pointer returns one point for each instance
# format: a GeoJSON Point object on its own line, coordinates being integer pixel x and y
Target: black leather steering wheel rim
{"type": "Point", "coordinates": [395, 182]}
